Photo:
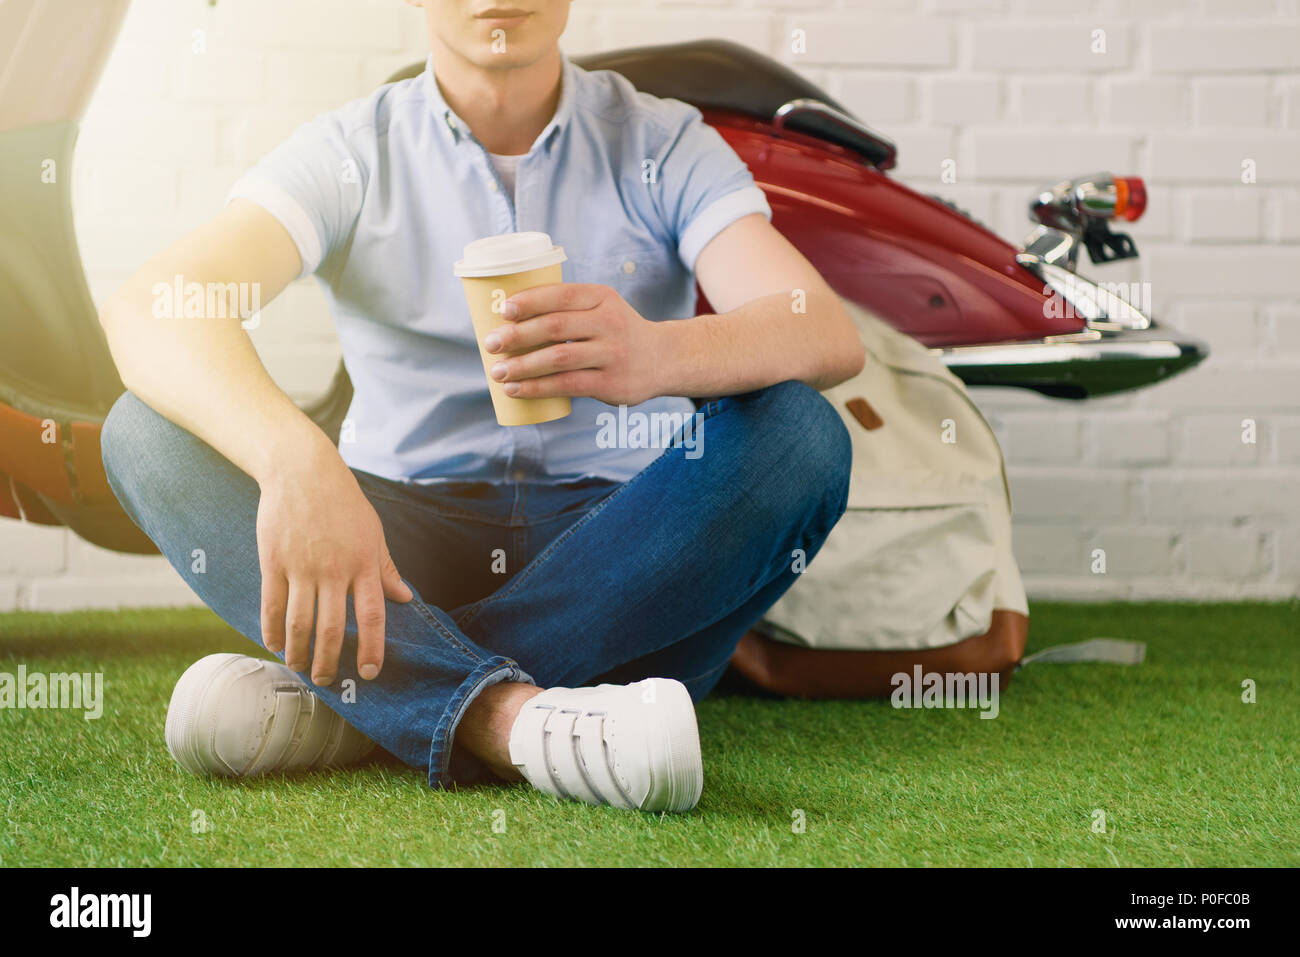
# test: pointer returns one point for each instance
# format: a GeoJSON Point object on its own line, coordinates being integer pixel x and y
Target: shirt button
{"type": "Point", "coordinates": [492, 186]}
{"type": "Point", "coordinates": [520, 475]}
{"type": "Point", "coordinates": [629, 267]}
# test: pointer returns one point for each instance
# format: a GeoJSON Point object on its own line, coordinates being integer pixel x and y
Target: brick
{"type": "Point", "coordinates": [72, 592]}
{"type": "Point", "coordinates": [378, 69]}
{"type": "Point", "coordinates": [1232, 102]}
{"type": "Point", "coordinates": [1132, 551]}
{"type": "Point", "coordinates": [1286, 439]}
{"type": "Point", "coordinates": [1217, 215]}
{"type": "Point", "coordinates": [1228, 328]}
{"type": "Point", "coordinates": [1127, 439]}
{"type": "Point", "coordinates": [310, 25]}
{"type": "Point", "coordinates": [877, 99]}
{"type": "Point", "coordinates": [87, 560]}
{"type": "Point", "coordinates": [1055, 8]}
{"type": "Point", "coordinates": [880, 41]}
{"type": "Point", "coordinates": [1075, 589]}
{"type": "Point", "coordinates": [1227, 554]}
{"type": "Point", "coordinates": [676, 26]}
{"type": "Point", "coordinates": [1291, 105]}
{"type": "Point", "coordinates": [1284, 329]}
{"type": "Point", "coordinates": [1221, 495]}
{"type": "Point", "coordinates": [31, 549]}
{"type": "Point", "coordinates": [1225, 47]}
{"type": "Point", "coordinates": [256, 131]}
{"type": "Point", "coordinates": [963, 101]}
{"type": "Point", "coordinates": [898, 6]}
{"type": "Point", "coordinates": [1240, 9]}
{"type": "Point", "coordinates": [1048, 550]}
{"type": "Point", "coordinates": [302, 77]}
{"type": "Point", "coordinates": [1219, 158]}
{"type": "Point", "coordinates": [1039, 493]}
{"type": "Point", "coordinates": [119, 189]}
{"type": "Point", "coordinates": [1219, 439]}
{"type": "Point", "coordinates": [413, 28]}
{"type": "Point", "coordinates": [134, 70]}
{"type": "Point", "coordinates": [219, 77]}
{"type": "Point", "coordinates": [157, 132]}
{"type": "Point", "coordinates": [1144, 101]}
{"type": "Point", "coordinates": [584, 34]}
{"type": "Point", "coordinates": [1283, 214]}
{"type": "Point", "coordinates": [1151, 9]}
{"type": "Point", "coordinates": [1167, 589]}
{"type": "Point", "coordinates": [1048, 47]}
{"type": "Point", "coordinates": [1251, 388]}
{"type": "Point", "coordinates": [1287, 557]}
{"type": "Point", "coordinates": [1051, 437]}
{"type": "Point", "coordinates": [1038, 155]}
{"type": "Point", "coordinates": [1222, 272]}
{"type": "Point", "coordinates": [1064, 100]}
{"type": "Point", "coordinates": [1009, 214]}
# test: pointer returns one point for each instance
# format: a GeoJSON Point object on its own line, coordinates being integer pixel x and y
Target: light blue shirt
{"type": "Point", "coordinates": [382, 195]}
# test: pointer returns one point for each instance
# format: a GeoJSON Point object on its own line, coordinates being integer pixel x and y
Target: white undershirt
{"type": "Point", "coordinates": [505, 167]}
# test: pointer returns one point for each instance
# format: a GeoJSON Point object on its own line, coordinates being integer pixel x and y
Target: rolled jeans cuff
{"type": "Point", "coordinates": [468, 769]}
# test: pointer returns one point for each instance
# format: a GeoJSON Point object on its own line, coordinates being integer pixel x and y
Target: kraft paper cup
{"type": "Point", "coordinates": [493, 270]}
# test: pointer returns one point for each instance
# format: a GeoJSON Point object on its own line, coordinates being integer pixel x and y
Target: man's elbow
{"type": "Point", "coordinates": [845, 356]}
{"type": "Point", "coordinates": [115, 318]}
{"type": "Point", "coordinates": [855, 357]}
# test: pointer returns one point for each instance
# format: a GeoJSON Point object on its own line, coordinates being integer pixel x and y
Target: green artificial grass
{"type": "Point", "coordinates": [1185, 772]}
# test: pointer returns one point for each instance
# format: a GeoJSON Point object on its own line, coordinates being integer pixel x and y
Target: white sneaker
{"type": "Point", "coordinates": [632, 746]}
{"type": "Point", "coordinates": [232, 715]}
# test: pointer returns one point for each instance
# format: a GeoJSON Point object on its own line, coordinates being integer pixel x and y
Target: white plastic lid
{"type": "Point", "coordinates": [509, 253]}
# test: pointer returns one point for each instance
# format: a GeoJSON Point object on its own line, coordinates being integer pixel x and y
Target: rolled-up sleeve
{"type": "Point", "coordinates": [312, 184]}
{"type": "Point", "coordinates": [705, 186]}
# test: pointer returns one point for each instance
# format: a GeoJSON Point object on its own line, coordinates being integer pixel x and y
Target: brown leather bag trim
{"type": "Point", "coordinates": [801, 672]}
{"type": "Point", "coordinates": [867, 417]}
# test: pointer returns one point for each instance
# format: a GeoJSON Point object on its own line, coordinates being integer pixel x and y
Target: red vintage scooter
{"type": "Point", "coordinates": [997, 314]}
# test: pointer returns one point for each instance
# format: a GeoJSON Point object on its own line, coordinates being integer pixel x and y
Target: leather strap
{"type": "Point", "coordinates": [280, 739]}
{"type": "Point", "coordinates": [562, 755]}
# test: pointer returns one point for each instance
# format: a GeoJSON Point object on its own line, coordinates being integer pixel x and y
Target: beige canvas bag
{"type": "Point", "coordinates": [923, 555]}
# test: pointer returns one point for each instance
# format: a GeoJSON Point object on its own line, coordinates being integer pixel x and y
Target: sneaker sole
{"type": "Point", "coordinates": [193, 690]}
{"type": "Point", "coordinates": [674, 740]}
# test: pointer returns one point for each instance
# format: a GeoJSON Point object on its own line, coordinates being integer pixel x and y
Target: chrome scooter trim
{"type": "Point", "coordinates": [1100, 308]}
{"type": "Point", "coordinates": [1080, 365]}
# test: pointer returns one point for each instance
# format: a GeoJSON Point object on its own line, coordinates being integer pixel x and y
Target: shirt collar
{"type": "Point", "coordinates": [458, 130]}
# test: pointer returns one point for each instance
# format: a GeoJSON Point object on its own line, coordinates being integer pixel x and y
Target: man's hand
{"type": "Point", "coordinates": [318, 538]}
{"type": "Point", "coordinates": [587, 341]}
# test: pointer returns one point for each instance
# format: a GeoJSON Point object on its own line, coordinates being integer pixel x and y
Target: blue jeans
{"type": "Point", "coordinates": [545, 581]}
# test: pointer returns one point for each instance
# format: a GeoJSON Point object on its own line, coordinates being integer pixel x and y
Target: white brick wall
{"type": "Point", "coordinates": [1017, 92]}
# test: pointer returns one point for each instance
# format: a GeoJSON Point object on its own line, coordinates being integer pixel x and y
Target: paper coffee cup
{"type": "Point", "coordinates": [492, 270]}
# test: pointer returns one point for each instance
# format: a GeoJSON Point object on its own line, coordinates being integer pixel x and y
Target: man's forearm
{"type": "Point", "coordinates": [205, 376]}
{"type": "Point", "coordinates": [757, 345]}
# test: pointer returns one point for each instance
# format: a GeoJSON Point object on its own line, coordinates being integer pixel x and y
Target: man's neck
{"type": "Point", "coordinates": [506, 109]}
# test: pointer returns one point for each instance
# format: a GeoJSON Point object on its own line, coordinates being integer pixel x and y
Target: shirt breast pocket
{"type": "Point", "coordinates": [647, 277]}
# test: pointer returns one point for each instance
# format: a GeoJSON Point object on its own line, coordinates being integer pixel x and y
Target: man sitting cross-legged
{"type": "Point", "coordinates": [475, 581]}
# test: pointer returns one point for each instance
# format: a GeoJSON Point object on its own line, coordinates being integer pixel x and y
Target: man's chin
{"type": "Point", "coordinates": [486, 58]}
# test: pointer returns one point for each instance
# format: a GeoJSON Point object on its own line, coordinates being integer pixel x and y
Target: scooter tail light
{"type": "Point", "coordinates": [1130, 198]}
